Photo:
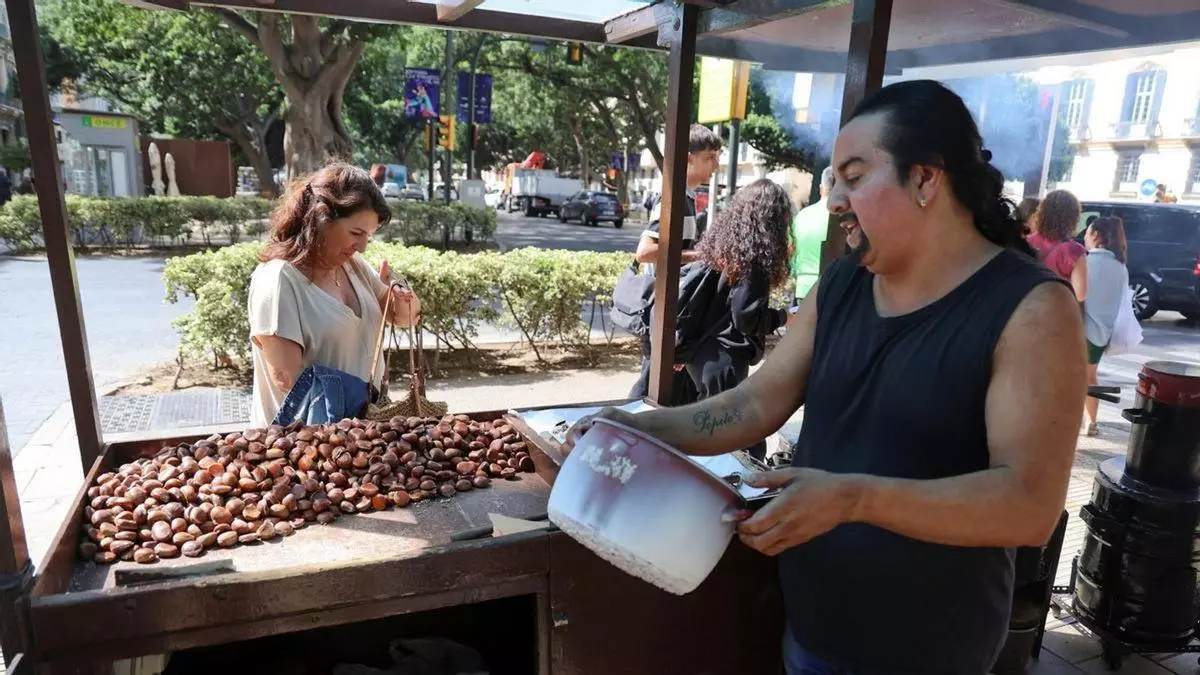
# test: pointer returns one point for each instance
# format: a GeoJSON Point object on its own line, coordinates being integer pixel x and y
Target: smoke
{"type": "Point", "coordinates": [806, 105]}
{"type": "Point", "coordinates": [1011, 118]}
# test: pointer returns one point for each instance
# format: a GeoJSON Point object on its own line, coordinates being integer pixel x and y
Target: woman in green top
{"type": "Point", "coordinates": [808, 234]}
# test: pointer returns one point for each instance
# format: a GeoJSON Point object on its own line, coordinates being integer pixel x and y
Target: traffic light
{"type": "Point", "coordinates": [574, 53]}
{"type": "Point", "coordinates": [445, 132]}
{"type": "Point", "coordinates": [428, 136]}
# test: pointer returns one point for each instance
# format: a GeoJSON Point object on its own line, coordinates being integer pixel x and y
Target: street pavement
{"type": "Point", "coordinates": [128, 327]}
{"type": "Point", "coordinates": [515, 230]}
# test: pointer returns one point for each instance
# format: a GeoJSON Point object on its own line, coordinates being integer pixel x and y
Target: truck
{"type": "Point", "coordinates": [537, 191]}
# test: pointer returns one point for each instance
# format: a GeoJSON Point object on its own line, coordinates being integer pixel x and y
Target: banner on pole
{"type": "Point", "coordinates": [422, 87]}
{"type": "Point", "coordinates": [483, 97]}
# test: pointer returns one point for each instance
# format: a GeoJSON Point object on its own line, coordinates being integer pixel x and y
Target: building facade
{"type": "Point", "coordinates": [11, 128]}
{"type": "Point", "coordinates": [1134, 121]}
{"type": "Point", "coordinates": [100, 153]}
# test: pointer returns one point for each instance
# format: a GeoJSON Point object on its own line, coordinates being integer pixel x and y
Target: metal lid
{"type": "Point", "coordinates": [1171, 382]}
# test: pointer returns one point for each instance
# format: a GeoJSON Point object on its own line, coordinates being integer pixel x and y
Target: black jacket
{"type": "Point", "coordinates": [739, 315]}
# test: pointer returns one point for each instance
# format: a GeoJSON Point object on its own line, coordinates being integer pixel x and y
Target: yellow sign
{"type": "Point", "coordinates": [723, 88]}
{"type": "Point", "coordinates": [96, 122]}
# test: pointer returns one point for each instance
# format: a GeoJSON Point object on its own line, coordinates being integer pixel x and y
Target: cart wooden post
{"type": "Point", "coordinates": [681, 35]}
{"type": "Point", "coordinates": [47, 175]}
{"type": "Point", "coordinates": [16, 569]}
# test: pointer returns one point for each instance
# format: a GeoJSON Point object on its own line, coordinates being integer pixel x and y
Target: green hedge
{"type": "Point", "coordinates": [541, 293]}
{"type": "Point", "coordinates": [415, 222]}
{"type": "Point", "coordinates": [126, 221]}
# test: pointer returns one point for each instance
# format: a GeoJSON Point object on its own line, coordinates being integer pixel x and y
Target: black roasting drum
{"type": "Point", "coordinates": [1138, 571]}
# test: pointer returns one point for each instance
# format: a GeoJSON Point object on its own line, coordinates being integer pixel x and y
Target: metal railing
{"type": "Point", "coordinates": [1135, 130]}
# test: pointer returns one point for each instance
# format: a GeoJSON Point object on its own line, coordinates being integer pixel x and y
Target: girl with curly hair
{"type": "Point", "coordinates": [748, 249]}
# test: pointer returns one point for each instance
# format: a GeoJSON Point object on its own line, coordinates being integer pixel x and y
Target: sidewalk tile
{"type": "Point", "coordinates": [1049, 664]}
{"type": "Point", "coordinates": [1134, 665]}
{"type": "Point", "coordinates": [1182, 664]}
{"type": "Point", "coordinates": [53, 481]}
{"type": "Point", "coordinates": [1068, 644]}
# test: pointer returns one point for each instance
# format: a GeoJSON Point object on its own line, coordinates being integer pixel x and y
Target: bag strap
{"type": "Point", "coordinates": [401, 284]}
{"type": "Point", "coordinates": [416, 364]}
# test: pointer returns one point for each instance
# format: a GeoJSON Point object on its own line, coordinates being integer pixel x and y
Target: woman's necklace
{"type": "Point", "coordinates": [337, 280]}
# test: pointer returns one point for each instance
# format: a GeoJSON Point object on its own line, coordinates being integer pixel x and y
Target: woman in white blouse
{"type": "Point", "coordinates": [313, 298]}
{"type": "Point", "coordinates": [1107, 280]}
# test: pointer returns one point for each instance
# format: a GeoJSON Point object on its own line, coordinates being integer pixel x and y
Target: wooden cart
{"type": "Point", "coordinates": [532, 602]}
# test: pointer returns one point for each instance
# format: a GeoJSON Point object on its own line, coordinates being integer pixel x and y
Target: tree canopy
{"type": "Point", "coordinates": [182, 73]}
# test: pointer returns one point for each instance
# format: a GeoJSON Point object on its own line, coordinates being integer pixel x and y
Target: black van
{"type": "Point", "coordinates": [1164, 253]}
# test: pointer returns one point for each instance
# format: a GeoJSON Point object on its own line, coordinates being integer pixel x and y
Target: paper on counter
{"type": "Point", "coordinates": [502, 524]}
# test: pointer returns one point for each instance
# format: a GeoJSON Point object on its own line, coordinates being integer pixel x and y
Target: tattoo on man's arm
{"type": "Point", "coordinates": [706, 422]}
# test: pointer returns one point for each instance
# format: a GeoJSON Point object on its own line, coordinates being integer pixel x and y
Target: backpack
{"type": "Point", "coordinates": [633, 303]}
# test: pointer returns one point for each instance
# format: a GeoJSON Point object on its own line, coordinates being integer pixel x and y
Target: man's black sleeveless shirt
{"type": "Point", "coordinates": [903, 397]}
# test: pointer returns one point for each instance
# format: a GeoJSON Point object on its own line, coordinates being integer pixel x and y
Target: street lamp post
{"type": "Point", "coordinates": [471, 173]}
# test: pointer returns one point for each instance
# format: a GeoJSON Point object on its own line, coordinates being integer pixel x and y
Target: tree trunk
{"type": "Point", "coordinates": [585, 169]}
{"type": "Point", "coordinates": [312, 136]}
{"type": "Point", "coordinates": [313, 67]}
{"type": "Point", "coordinates": [252, 143]}
{"type": "Point", "coordinates": [649, 131]}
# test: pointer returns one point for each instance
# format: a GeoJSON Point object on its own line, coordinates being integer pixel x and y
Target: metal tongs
{"type": "Point", "coordinates": [1105, 393]}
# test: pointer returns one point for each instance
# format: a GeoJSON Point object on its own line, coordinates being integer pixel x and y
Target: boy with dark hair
{"type": "Point", "coordinates": [704, 155]}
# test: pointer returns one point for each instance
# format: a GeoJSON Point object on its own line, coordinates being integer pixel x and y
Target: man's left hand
{"type": "Point", "coordinates": [812, 503]}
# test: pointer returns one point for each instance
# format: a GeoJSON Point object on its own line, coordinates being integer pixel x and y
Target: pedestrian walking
{"type": "Point", "coordinates": [747, 253]}
{"type": "Point", "coordinates": [704, 151]}
{"type": "Point", "coordinates": [808, 238]}
{"type": "Point", "coordinates": [1054, 225]}
{"type": "Point", "coordinates": [1108, 282]}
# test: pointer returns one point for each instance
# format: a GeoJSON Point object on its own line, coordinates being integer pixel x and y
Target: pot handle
{"type": "Point", "coordinates": [735, 514]}
{"type": "Point", "coordinates": [1138, 416]}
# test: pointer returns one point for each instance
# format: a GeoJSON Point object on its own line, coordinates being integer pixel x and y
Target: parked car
{"type": "Point", "coordinates": [493, 196]}
{"type": "Point", "coordinates": [413, 192]}
{"type": "Point", "coordinates": [591, 207]}
{"type": "Point", "coordinates": [439, 192]}
{"type": "Point", "coordinates": [1164, 254]}
{"type": "Point", "coordinates": [391, 191]}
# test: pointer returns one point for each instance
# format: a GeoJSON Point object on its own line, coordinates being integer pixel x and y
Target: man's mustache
{"type": "Point", "coordinates": [847, 217]}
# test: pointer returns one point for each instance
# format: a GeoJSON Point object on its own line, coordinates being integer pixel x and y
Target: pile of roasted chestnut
{"type": "Point", "coordinates": [263, 483]}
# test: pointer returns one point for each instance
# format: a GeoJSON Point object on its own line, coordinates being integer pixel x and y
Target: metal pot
{"type": "Point", "coordinates": [1164, 441]}
{"type": "Point", "coordinates": [644, 506]}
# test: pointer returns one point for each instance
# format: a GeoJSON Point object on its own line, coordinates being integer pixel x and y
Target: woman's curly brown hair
{"type": "Point", "coordinates": [298, 223]}
{"type": "Point", "coordinates": [1057, 217]}
{"type": "Point", "coordinates": [753, 231]}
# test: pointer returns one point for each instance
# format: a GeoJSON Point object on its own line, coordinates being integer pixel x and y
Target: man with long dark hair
{"type": "Point", "coordinates": [942, 372]}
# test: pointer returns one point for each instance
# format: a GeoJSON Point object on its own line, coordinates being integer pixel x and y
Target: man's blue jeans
{"type": "Point", "coordinates": [797, 661]}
